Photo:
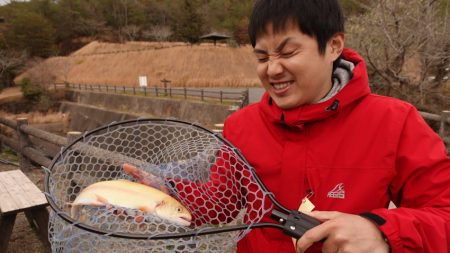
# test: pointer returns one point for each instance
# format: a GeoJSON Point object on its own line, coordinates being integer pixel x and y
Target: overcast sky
{"type": "Point", "coordinates": [3, 2]}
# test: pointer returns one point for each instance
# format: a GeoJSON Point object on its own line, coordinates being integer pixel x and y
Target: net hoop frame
{"type": "Point", "coordinates": [164, 236]}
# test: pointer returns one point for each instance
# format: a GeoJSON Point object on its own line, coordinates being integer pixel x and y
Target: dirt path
{"type": "Point", "coordinates": [10, 94]}
{"type": "Point", "coordinates": [23, 238]}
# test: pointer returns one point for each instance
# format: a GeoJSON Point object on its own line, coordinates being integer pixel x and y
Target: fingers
{"type": "Point", "coordinates": [318, 233]}
{"type": "Point", "coordinates": [343, 232]}
{"type": "Point", "coordinates": [329, 247]}
{"type": "Point", "coordinates": [311, 236]}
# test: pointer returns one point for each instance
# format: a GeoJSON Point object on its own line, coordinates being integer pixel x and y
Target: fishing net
{"type": "Point", "coordinates": [196, 167]}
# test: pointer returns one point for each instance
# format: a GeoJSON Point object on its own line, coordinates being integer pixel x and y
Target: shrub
{"type": "Point", "coordinates": [31, 91]}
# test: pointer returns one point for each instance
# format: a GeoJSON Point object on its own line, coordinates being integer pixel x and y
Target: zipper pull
{"type": "Point", "coordinates": [307, 205]}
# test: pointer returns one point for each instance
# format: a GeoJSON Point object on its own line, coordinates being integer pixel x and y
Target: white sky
{"type": "Point", "coordinates": [3, 2]}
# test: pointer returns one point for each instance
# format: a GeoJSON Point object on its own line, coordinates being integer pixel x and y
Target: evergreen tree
{"type": "Point", "coordinates": [30, 31]}
{"type": "Point", "coordinates": [190, 24]}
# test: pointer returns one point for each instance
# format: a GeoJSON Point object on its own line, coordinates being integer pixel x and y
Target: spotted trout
{"type": "Point", "coordinates": [127, 194]}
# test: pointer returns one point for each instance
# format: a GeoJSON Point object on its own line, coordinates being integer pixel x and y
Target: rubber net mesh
{"type": "Point", "coordinates": [193, 166]}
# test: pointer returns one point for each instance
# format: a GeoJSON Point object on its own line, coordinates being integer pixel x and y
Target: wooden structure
{"type": "Point", "coordinates": [215, 37]}
{"type": "Point", "coordinates": [19, 194]}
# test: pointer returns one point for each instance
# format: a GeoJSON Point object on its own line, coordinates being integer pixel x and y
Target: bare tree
{"type": "Point", "coordinates": [10, 61]}
{"type": "Point", "coordinates": [122, 11]}
{"type": "Point", "coordinates": [158, 32]}
{"type": "Point", "coordinates": [405, 43]}
{"type": "Point", "coordinates": [131, 31]}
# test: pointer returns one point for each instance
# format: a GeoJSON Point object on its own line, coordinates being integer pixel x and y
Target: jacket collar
{"type": "Point", "coordinates": [356, 88]}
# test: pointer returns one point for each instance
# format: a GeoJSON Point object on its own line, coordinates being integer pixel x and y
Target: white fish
{"type": "Point", "coordinates": [127, 194]}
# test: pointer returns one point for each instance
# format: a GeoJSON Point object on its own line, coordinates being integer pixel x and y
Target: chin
{"type": "Point", "coordinates": [286, 104]}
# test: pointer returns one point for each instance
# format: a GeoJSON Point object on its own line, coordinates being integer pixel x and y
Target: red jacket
{"type": "Point", "coordinates": [354, 158]}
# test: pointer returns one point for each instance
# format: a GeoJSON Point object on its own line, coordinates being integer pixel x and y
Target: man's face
{"type": "Point", "coordinates": [291, 68]}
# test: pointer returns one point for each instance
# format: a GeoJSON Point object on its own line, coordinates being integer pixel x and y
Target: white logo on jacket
{"type": "Point", "coordinates": [338, 192]}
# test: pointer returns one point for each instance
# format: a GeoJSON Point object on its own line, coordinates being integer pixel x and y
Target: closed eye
{"type": "Point", "coordinates": [288, 54]}
{"type": "Point", "coordinates": [262, 60]}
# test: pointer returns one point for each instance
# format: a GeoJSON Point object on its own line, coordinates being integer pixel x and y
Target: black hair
{"type": "Point", "coordinates": [320, 19]}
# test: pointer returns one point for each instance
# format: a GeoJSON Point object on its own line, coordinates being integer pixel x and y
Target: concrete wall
{"type": "Point", "coordinates": [89, 110]}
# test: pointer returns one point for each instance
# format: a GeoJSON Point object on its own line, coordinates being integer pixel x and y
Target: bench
{"type": "Point", "coordinates": [19, 194]}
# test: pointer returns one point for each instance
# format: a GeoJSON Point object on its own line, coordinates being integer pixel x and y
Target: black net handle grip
{"type": "Point", "coordinates": [295, 223]}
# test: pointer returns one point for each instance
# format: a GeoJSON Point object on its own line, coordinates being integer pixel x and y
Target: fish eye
{"type": "Point", "coordinates": [179, 209]}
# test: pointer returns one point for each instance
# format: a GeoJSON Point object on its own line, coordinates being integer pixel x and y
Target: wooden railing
{"type": "Point", "coordinates": [28, 140]}
{"type": "Point", "coordinates": [444, 126]}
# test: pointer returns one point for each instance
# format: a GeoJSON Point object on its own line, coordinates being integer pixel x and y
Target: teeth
{"type": "Point", "coordinates": [279, 86]}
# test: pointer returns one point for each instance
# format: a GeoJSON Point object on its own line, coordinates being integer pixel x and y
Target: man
{"type": "Point", "coordinates": [319, 136]}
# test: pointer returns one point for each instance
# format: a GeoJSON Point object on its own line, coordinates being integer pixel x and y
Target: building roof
{"type": "Point", "coordinates": [215, 36]}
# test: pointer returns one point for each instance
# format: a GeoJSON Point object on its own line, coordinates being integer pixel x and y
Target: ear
{"type": "Point", "coordinates": [336, 45]}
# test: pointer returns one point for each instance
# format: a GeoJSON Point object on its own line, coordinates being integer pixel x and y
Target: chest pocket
{"type": "Point", "coordinates": [351, 190]}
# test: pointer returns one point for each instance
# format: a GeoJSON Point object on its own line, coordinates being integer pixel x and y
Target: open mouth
{"type": "Point", "coordinates": [184, 221]}
{"type": "Point", "coordinates": [281, 86]}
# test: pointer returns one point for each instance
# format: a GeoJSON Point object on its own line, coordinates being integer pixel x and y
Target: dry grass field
{"type": "Point", "coordinates": [203, 65]}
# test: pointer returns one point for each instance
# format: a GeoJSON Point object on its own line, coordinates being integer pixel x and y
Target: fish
{"type": "Point", "coordinates": [132, 195]}
{"type": "Point", "coordinates": [145, 177]}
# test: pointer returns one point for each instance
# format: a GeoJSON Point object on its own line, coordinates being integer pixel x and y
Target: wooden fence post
{"type": "Point", "coordinates": [443, 129]}
{"type": "Point", "coordinates": [24, 141]}
{"type": "Point", "coordinates": [245, 98]}
{"type": "Point", "coordinates": [221, 97]}
{"type": "Point", "coordinates": [72, 136]}
{"type": "Point", "coordinates": [165, 82]}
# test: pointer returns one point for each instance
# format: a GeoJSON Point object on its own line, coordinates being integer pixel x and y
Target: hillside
{"type": "Point", "coordinates": [203, 65]}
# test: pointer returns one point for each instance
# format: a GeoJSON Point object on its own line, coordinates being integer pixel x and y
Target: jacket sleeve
{"type": "Point", "coordinates": [420, 190]}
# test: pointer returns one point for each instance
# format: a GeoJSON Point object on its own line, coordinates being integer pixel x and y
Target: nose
{"type": "Point", "coordinates": [274, 67]}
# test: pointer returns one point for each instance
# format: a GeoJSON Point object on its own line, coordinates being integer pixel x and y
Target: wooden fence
{"type": "Point", "coordinates": [237, 98]}
{"type": "Point", "coordinates": [444, 126]}
{"type": "Point", "coordinates": [29, 140]}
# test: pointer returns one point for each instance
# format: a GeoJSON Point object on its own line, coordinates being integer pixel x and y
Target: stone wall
{"type": "Point", "coordinates": [89, 110]}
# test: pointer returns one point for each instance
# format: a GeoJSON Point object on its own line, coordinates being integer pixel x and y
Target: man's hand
{"type": "Point", "coordinates": [343, 233]}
